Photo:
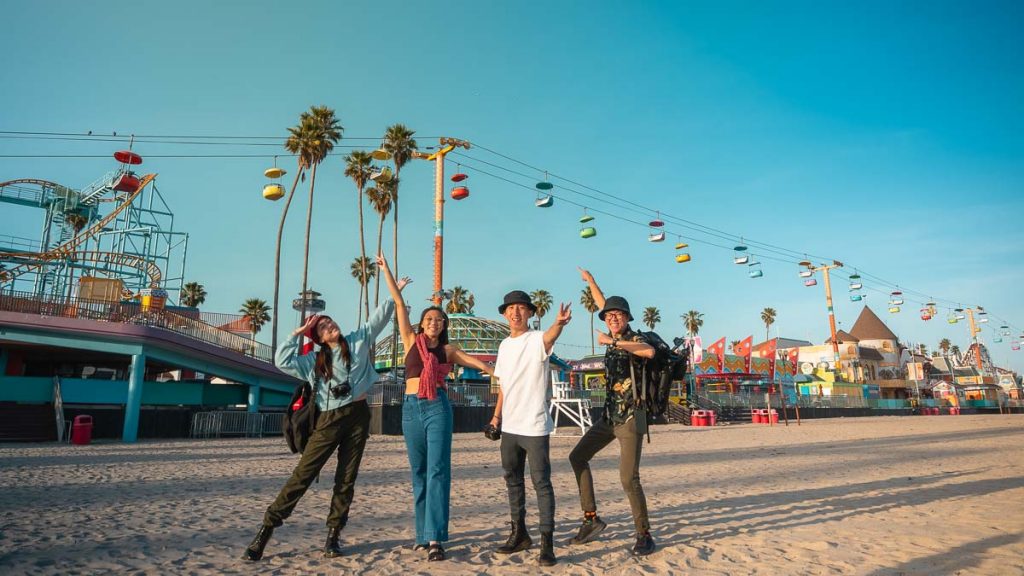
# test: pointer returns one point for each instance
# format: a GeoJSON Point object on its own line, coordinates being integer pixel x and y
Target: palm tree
{"type": "Point", "coordinates": [300, 142]}
{"type": "Point", "coordinates": [944, 345]}
{"type": "Point", "coordinates": [326, 132]}
{"type": "Point", "coordinates": [693, 320]}
{"type": "Point", "coordinates": [956, 352]}
{"type": "Point", "coordinates": [193, 294]}
{"type": "Point", "coordinates": [363, 269]}
{"type": "Point", "coordinates": [651, 317]}
{"type": "Point", "coordinates": [380, 197]}
{"type": "Point", "coordinates": [256, 312]}
{"type": "Point", "coordinates": [588, 303]}
{"type": "Point", "coordinates": [542, 300]}
{"type": "Point", "coordinates": [460, 301]}
{"type": "Point", "coordinates": [398, 140]}
{"type": "Point", "coordinates": [357, 167]}
{"type": "Point", "coordinates": [768, 317]}
{"type": "Point", "coordinates": [77, 222]}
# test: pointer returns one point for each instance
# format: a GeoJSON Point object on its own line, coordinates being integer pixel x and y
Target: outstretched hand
{"type": "Point", "coordinates": [604, 339]}
{"type": "Point", "coordinates": [586, 275]}
{"type": "Point", "coordinates": [564, 315]}
{"type": "Point", "coordinates": [403, 282]}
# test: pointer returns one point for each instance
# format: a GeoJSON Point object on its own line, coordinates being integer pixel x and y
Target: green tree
{"type": "Point", "coordinates": [77, 222]}
{"type": "Point", "coordinates": [768, 317]}
{"type": "Point", "coordinates": [693, 320]}
{"type": "Point", "coordinates": [460, 301]}
{"type": "Point", "coordinates": [380, 197]}
{"type": "Point", "coordinates": [542, 300]}
{"type": "Point", "coordinates": [363, 269]}
{"type": "Point", "coordinates": [326, 132]}
{"type": "Point", "coordinates": [956, 352]}
{"type": "Point", "coordinates": [301, 142]}
{"type": "Point", "coordinates": [944, 345]}
{"type": "Point", "coordinates": [588, 303]}
{"type": "Point", "coordinates": [399, 142]}
{"type": "Point", "coordinates": [193, 294]}
{"type": "Point", "coordinates": [357, 167]}
{"type": "Point", "coordinates": [256, 312]}
{"type": "Point", "coordinates": [651, 317]}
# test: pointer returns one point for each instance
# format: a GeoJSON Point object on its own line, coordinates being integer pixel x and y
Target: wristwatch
{"type": "Point", "coordinates": [615, 342]}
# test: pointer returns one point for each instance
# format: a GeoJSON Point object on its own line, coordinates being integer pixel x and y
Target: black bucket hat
{"type": "Point", "coordinates": [517, 297]}
{"type": "Point", "coordinates": [615, 303]}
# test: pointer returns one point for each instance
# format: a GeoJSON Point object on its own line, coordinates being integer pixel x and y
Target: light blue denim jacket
{"type": "Point", "coordinates": [361, 376]}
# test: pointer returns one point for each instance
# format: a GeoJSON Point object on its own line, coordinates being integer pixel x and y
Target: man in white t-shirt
{"type": "Point", "coordinates": [524, 412]}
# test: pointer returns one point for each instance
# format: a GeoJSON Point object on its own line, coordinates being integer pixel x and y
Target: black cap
{"type": "Point", "coordinates": [517, 297]}
{"type": "Point", "coordinates": [615, 303]}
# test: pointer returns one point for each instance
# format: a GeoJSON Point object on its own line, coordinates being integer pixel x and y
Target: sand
{"type": "Point", "coordinates": [883, 495]}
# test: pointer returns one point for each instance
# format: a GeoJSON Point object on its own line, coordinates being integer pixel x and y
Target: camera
{"type": "Point", "coordinates": [492, 432]}
{"type": "Point", "coordinates": [343, 389]}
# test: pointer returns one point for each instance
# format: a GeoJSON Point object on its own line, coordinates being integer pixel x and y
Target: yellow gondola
{"type": "Point", "coordinates": [682, 245]}
{"type": "Point", "coordinates": [273, 191]}
{"type": "Point", "coordinates": [680, 258]}
{"type": "Point", "coordinates": [274, 172]}
{"type": "Point", "coordinates": [588, 232]}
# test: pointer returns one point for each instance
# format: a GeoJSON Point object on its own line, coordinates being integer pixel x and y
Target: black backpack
{"type": "Point", "coordinates": [668, 366]}
{"type": "Point", "coordinates": [299, 424]}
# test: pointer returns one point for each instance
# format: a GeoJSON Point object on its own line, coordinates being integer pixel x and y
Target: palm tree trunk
{"type": "Point", "coordinates": [380, 238]}
{"type": "Point", "coordinates": [394, 319]}
{"type": "Point", "coordinates": [363, 292]}
{"type": "Point", "coordinates": [277, 258]}
{"type": "Point", "coordinates": [305, 259]}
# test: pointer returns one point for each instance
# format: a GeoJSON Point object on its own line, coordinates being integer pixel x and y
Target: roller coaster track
{"type": "Point", "coordinates": [70, 249]}
{"type": "Point", "coordinates": [113, 258]}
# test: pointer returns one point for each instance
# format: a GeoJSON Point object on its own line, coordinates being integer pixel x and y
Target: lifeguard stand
{"type": "Point", "coordinates": [573, 404]}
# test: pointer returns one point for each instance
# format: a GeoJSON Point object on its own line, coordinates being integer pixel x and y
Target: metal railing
{"type": "Point", "coordinates": [388, 393]}
{"type": "Point", "coordinates": [247, 424]}
{"type": "Point", "coordinates": [133, 313]}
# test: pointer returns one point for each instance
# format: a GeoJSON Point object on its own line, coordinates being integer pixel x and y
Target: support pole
{"type": "Point", "coordinates": [134, 400]}
{"type": "Point", "coordinates": [254, 398]}
{"type": "Point", "coordinates": [438, 226]}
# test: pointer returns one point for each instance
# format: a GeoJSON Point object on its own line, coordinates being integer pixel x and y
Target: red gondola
{"type": "Point", "coordinates": [127, 157]}
{"type": "Point", "coordinates": [459, 177]}
{"type": "Point", "coordinates": [460, 192]}
{"type": "Point", "coordinates": [127, 182]}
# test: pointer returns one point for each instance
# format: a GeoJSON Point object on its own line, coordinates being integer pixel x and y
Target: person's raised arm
{"type": "Point", "coordinates": [288, 358]}
{"type": "Point", "coordinates": [555, 330]}
{"type": "Point", "coordinates": [457, 356]}
{"type": "Point", "coordinates": [401, 310]}
{"type": "Point", "coordinates": [595, 291]}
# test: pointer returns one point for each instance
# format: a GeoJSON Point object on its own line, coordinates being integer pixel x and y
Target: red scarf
{"type": "Point", "coordinates": [433, 372]}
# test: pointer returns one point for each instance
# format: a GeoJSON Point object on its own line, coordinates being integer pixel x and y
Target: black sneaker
{"type": "Point", "coordinates": [590, 528]}
{"type": "Point", "coordinates": [644, 545]}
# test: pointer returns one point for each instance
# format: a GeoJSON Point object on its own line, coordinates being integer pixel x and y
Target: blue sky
{"type": "Point", "coordinates": [886, 135]}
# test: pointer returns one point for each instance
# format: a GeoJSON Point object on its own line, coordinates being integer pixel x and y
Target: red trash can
{"type": "Point", "coordinates": [699, 418]}
{"type": "Point", "coordinates": [81, 430]}
{"type": "Point", "coordinates": [755, 416]}
{"type": "Point", "coordinates": [712, 418]}
{"type": "Point", "coordinates": [774, 416]}
{"type": "Point", "coordinates": [954, 411]}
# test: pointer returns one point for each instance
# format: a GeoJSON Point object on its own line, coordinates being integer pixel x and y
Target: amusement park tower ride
{"type": "Point", "coordinates": [112, 239]}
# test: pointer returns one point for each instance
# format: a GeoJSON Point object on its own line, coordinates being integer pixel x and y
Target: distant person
{"type": "Point", "coordinates": [427, 415]}
{"type": "Point", "coordinates": [624, 360]}
{"type": "Point", "coordinates": [340, 374]}
{"type": "Point", "coordinates": [524, 413]}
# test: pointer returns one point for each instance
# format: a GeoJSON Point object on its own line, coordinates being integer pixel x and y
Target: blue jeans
{"type": "Point", "coordinates": [427, 427]}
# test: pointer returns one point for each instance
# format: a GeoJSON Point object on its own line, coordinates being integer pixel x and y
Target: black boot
{"type": "Point", "coordinates": [255, 550]}
{"type": "Point", "coordinates": [644, 544]}
{"type": "Point", "coordinates": [518, 540]}
{"type": "Point", "coordinates": [332, 549]}
{"type": "Point", "coordinates": [547, 550]}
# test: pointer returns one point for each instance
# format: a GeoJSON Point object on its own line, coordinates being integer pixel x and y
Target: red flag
{"type": "Point", "coordinates": [793, 357]}
{"type": "Point", "coordinates": [769, 351]}
{"type": "Point", "coordinates": [743, 349]}
{"type": "Point", "coordinates": [718, 349]}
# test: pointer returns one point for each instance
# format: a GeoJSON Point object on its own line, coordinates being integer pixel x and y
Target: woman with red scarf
{"type": "Point", "coordinates": [427, 415]}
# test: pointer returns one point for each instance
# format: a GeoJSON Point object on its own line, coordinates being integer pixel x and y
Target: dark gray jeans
{"type": "Point", "coordinates": [631, 445]}
{"type": "Point", "coordinates": [515, 450]}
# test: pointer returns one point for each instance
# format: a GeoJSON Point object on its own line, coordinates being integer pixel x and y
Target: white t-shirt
{"type": "Point", "coordinates": [523, 371]}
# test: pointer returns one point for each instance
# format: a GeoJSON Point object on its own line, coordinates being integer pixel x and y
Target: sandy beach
{"type": "Point", "coordinates": [883, 495]}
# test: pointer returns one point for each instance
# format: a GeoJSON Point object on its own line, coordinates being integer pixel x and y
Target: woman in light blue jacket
{"type": "Point", "coordinates": [341, 374]}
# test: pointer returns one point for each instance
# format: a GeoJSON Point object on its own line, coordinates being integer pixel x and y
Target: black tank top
{"type": "Point", "coordinates": [414, 364]}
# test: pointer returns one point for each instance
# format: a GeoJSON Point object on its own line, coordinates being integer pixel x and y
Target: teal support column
{"type": "Point", "coordinates": [134, 401]}
{"type": "Point", "coordinates": [254, 398]}
{"type": "Point", "coordinates": [3, 362]}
